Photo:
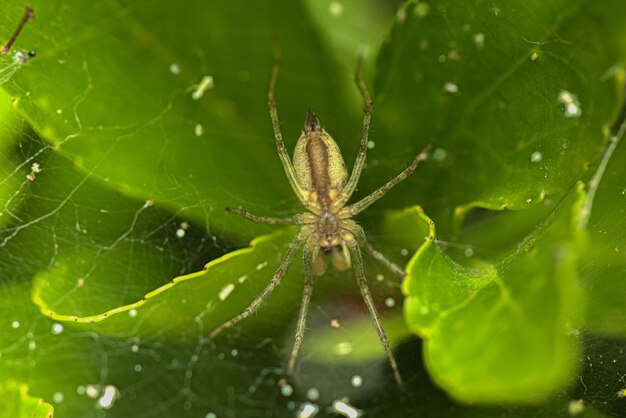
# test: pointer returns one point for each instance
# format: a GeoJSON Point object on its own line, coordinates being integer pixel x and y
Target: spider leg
{"type": "Point", "coordinates": [309, 255]}
{"type": "Point", "coordinates": [278, 275]}
{"type": "Point", "coordinates": [360, 159]}
{"type": "Point", "coordinates": [377, 255]}
{"type": "Point", "coordinates": [356, 230]}
{"type": "Point", "coordinates": [292, 220]}
{"type": "Point", "coordinates": [373, 197]}
{"type": "Point", "coordinates": [280, 145]}
{"type": "Point", "coordinates": [367, 296]}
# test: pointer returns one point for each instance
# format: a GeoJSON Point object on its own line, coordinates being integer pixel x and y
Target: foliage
{"type": "Point", "coordinates": [117, 258]}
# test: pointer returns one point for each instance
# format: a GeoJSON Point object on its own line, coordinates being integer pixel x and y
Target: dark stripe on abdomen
{"type": "Point", "coordinates": [317, 157]}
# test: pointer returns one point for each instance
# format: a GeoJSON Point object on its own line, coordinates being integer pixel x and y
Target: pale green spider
{"type": "Point", "coordinates": [319, 178]}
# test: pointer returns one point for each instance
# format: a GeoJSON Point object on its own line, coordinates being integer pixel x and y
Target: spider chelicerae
{"type": "Point", "coordinates": [319, 178]}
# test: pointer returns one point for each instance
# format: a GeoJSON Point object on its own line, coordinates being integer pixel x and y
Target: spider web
{"type": "Point", "coordinates": [55, 214]}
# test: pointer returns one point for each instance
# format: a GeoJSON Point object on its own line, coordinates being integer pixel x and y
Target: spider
{"type": "Point", "coordinates": [319, 178]}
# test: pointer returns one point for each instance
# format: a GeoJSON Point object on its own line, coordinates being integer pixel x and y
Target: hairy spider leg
{"type": "Point", "coordinates": [292, 220]}
{"type": "Point", "coordinates": [278, 275]}
{"type": "Point", "coordinates": [280, 145]}
{"type": "Point", "coordinates": [362, 204]}
{"type": "Point", "coordinates": [367, 297]}
{"type": "Point", "coordinates": [377, 255]}
{"type": "Point", "coordinates": [309, 254]}
{"type": "Point", "coordinates": [353, 181]}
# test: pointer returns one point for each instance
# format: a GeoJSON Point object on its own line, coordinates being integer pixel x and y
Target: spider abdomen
{"type": "Point", "coordinates": [318, 163]}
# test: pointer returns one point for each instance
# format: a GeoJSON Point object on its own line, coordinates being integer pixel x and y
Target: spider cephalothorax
{"type": "Point", "coordinates": [319, 178]}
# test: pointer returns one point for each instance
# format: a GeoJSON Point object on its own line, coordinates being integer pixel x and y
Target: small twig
{"type": "Point", "coordinates": [597, 177]}
{"type": "Point", "coordinates": [29, 14]}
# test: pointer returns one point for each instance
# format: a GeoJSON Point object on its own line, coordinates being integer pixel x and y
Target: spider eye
{"type": "Point", "coordinates": [31, 53]}
{"type": "Point", "coordinates": [327, 250]}
{"type": "Point", "coordinates": [311, 123]}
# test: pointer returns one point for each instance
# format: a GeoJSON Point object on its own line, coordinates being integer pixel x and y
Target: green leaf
{"type": "Point", "coordinates": [129, 197]}
{"type": "Point", "coordinates": [435, 284]}
{"type": "Point", "coordinates": [352, 27]}
{"type": "Point", "coordinates": [504, 332]}
{"type": "Point", "coordinates": [490, 84]}
{"type": "Point", "coordinates": [165, 310]}
{"type": "Point", "coordinates": [117, 98]}
{"type": "Point", "coordinates": [17, 403]}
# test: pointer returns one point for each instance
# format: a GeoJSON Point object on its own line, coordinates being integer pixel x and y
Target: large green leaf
{"type": "Point", "coordinates": [503, 332]}
{"type": "Point", "coordinates": [112, 88]}
{"type": "Point", "coordinates": [517, 96]}
{"type": "Point", "coordinates": [165, 310]}
{"type": "Point", "coordinates": [16, 403]}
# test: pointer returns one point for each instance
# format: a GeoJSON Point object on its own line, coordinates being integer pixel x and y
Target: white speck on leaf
{"type": "Point", "coordinates": [308, 410]}
{"type": "Point", "coordinates": [175, 69]}
{"type": "Point", "coordinates": [57, 328]}
{"type": "Point", "coordinates": [226, 291]}
{"type": "Point", "coordinates": [205, 84]}
{"type": "Point", "coordinates": [536, 157]}
{"type": "Point", "coordinates": [313, 394]}
{"type": "Point", "coordinates": [451, 88]}
{"type": "Point", "coordinates": [421, 9]}
{"type": "Point", "coordinates": [111, 393]}
{"type": "Point", "coordinates": [571, 104]}
{"type": "Point", "coordinates": [335, 9]}
{"type": "Point", "coordinates": [356, 381]}
{"type": "Point", "coordinates": [346, 409]}
{"type": "Point", "coordinates": [479, 40]}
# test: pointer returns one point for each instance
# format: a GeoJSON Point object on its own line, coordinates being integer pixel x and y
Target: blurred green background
{"type": "Point", "coordinates": [117, 258]}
